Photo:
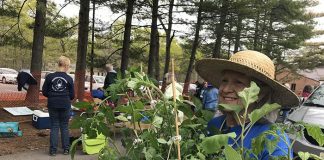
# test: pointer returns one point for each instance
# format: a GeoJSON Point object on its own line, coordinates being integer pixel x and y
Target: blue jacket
{"type": "Point", "coordinates": [280, 150]}
{"type": "Point", "coordinates": [210, 98]}
{"type": "Point", "coordinates": [59, 89]}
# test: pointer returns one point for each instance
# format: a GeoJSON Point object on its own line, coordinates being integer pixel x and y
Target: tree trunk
{"type": "Point", "coordinates": [168, 41]}
{"type": "Point", "coordinates": [193, 51]}
{"type": "Point", "coordinates": [157, 58]}
{"type": "Point", "coordinates": [92, 43]}
{"type": "Point", "coordinates": [127, 34]}
{"type": "Point", "coordinates": [230, 26]}
{"type": "Point", "coordinates": [238, 33]}
{"type": "Point", "coordinates": [37, 51]}
{"type": "Point", "coordinates": [220, 29]}
{"type": "Point", "coordinates": [268, 45]}
{"type": "Point", "coordinates": [82, 48]}
{"type": "Point", "coordinates": [153, 40]}
{"type": "Point", "coordinates": [256, 33]}
{"type": "Point", "coordinates": [262, 31]}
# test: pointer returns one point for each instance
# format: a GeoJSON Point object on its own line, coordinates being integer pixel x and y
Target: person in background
{"type": "Point", "coordinates": [110, 77]}
{"type": "Point", "coordinates": [231, 77]}
{"type": "Point", "coordinates": [59, 90]}
{"type": "Point", "coordinates": [306, 92]}
{"type": "Point", "coordinates": [202, 91]}
{"type": "Point", "coordinates": [210, 97]}
{"type": "Point", "coordinates": [199, 88]}
{"type": "Point", "coordinates": [168, 90]}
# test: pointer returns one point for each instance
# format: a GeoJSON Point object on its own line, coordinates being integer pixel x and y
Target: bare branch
{"type": "Point", "coordinates": [115, 21]}
{"type": "Point", "coordinates": [112, 54]}
{"type": "Point", "coordinates": [160, 19]}
{"type": "Point", "coordinates": [18, 19]}
{"type": "Point", "coordinates": [57, 14]}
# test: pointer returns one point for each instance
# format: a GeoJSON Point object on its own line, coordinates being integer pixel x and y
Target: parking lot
{"type": "Point", "coordinates": [8, 88]}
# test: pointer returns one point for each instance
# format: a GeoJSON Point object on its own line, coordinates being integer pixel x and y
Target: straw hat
{"type": "Point", "coordinates": [250, 63]}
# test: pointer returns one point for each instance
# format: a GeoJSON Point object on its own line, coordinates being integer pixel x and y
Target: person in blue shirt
{"type": "Point", "coordinates": [59, 90]}
{"type": "Point", "coordinates": [232, 76]}
{"type": "Point", "coordinates": [210, 97]}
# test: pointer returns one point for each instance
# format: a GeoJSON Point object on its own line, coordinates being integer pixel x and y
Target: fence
{"type": "Point", "coordinates": [11, 97]}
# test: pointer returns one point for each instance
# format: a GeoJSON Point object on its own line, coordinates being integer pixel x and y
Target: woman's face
{"type": "Point", "coordinates": [231, 83]}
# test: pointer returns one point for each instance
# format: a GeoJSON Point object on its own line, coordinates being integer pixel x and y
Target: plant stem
{"type": "Point", "coordinates": [175, 108]}
{"type": "Point", "coordinates": [243, 130]}
{"type": "Point", "coordinates": [169, 152]}
{"type": "Point", "coordinates": [113, 143]}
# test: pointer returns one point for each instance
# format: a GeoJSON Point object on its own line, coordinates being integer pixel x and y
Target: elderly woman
{"type": "Point", "coordinates": [232, 76]}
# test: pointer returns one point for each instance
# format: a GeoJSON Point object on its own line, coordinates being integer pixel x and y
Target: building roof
{"type": "Point", "coordinates": [317, 73]}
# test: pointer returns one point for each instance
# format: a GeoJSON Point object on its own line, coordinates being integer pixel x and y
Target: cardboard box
{"type": "Point", "coordinates": [41, 120]}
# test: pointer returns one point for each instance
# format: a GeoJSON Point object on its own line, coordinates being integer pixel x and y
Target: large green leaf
{"type": "Point", "coordinates": [257, 114]}
{"type": "Point", "coordinates": [193, 126]}
{"type": "Point", "coordinates": [201, 156]}
{"type": "Point", "coordinates": [258, 144]}
{"type": "Point", "coordinates": [197, 102]}
{"type": "Point", "coordinates": [272, 143]}
{"type": "Point", "coordinates": [304, 155]}
{"type": "Point", "coordinates": [207, 115]}
{"type": "Point", "coordinates": [186, 109]}
{"type": "Point", "coordinates": [149, 153]}
{"type": "Point", "coordinates": [250, 94]}
{"type": "Point", "coordinates": [231, 154]}
{"type": "Point", "coordinates": [138, 105]}
{"type": "Point", "coordinates": [315, 157]}
{"type": "Point", "coordinates": [157, 121]}
{"type": "Point", "coordinates": [77, 122]}
{"type": "Point", "coordinates": [316, 133]}
{"type": "Point", "coordinates": [214, 143]}
{"type": "Point", "coordinates": [122, 118]}
{"type": "Point", "coordinates": [73, 147]}
{"type": "Point", "coordinates": [83, 105]}
{"type": "Point", "coordinates": [132, 84]}
{"type": "Point", "coordinates": [162, 141]}
{"type": "Point", "coordinates": [103, 129]}
{"type": "Point", "coordinates": [230, 107]}
{"type": "Point", "coordinates": [124, 109]}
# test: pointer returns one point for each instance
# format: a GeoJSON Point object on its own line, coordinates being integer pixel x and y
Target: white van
{"type": "Point", "coordinates": [8, 75]}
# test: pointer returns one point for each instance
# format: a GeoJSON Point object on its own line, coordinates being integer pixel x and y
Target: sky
{"type": "Point", "coordinates": [104, 14]}
{"type": "Point", "coordinates": [320, 21]}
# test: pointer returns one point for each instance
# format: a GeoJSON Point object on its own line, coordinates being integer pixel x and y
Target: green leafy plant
{"type": "Point", "coordinates": [150, 131]}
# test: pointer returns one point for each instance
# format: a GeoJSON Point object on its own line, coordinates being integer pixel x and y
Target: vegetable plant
{"type": "Point", "coordinates": [149, 124]}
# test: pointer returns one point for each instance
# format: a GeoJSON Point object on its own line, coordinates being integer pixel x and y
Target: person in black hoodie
{"type": "Point", "coordinates": [110, 77]}
{"type": "Point", "coordinates": [59, 89]}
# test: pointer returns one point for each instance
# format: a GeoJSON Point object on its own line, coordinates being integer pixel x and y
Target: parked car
{"type": "Point", "coordinates": [43, 75]}
{"type": "Point", "coordinates": [86, 84]}
{"type": "Point", "coordinates": [98, 82]}
{"type": "Point", "coordinates": [8, 75]}
{"type": "Point", "coordinates": [311, 111]}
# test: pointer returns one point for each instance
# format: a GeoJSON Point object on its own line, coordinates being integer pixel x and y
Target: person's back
{"type": "Point", "coordinates": [168, 90]}
{"type": "Point", "coordinates": [59, 90]}
{"type": "Point", "coordinates": [110, 77]}
{"type": "Point", "coordinates": [210, 98]}
{"type": "Point", "coordinates": [58, 87]}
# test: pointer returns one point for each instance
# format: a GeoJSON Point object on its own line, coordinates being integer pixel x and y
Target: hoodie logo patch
{"type": "Point", "coordinates": [59, 84]}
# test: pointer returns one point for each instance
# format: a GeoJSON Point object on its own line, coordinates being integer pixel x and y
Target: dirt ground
{"type": "Point", "coordinates": [32, 139]}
